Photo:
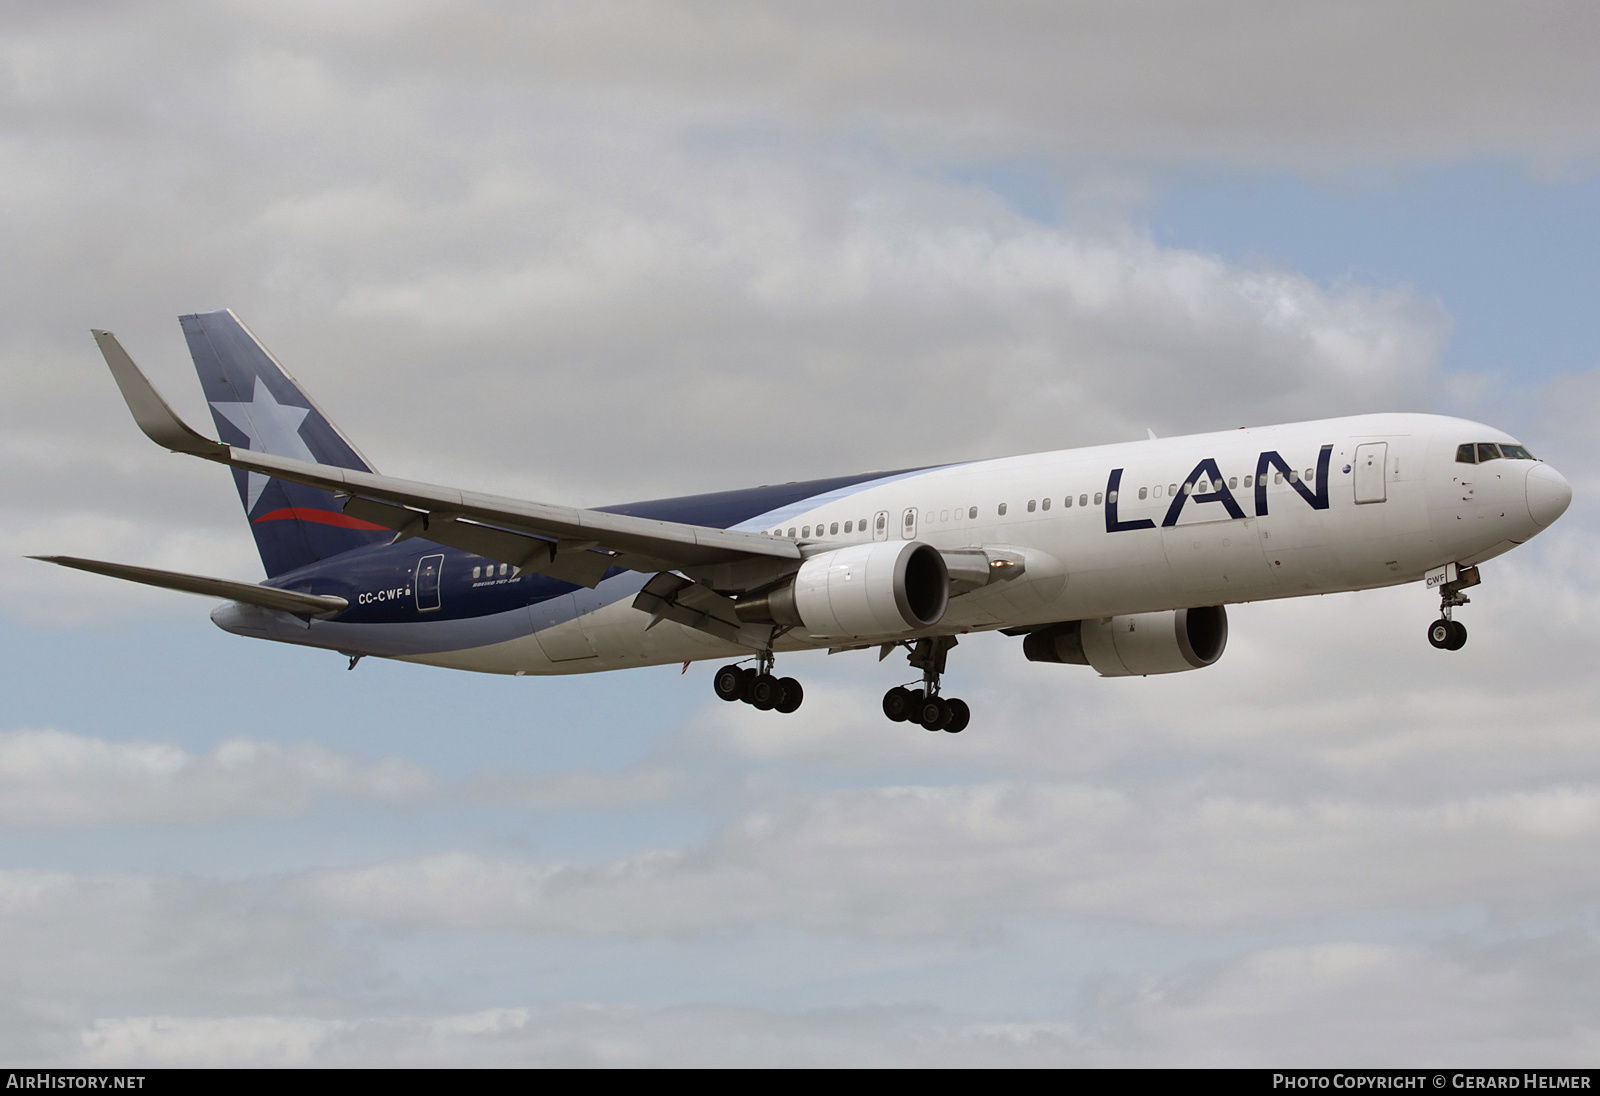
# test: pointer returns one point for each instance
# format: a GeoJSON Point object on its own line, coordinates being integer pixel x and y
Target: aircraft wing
{"type": "Point", "coordinates": [571, 544]}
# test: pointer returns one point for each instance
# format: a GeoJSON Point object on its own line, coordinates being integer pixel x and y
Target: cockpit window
{"type": "Point", "coordinates": [1478, 452]}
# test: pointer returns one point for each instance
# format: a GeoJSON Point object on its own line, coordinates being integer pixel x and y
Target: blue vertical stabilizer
{"type": "Point", "coordinates": [257, 405]}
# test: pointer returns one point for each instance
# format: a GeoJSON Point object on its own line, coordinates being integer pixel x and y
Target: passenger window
{"type": "Point", "coordinates": [1143, 492]}
{"type": "Point", "coordinates": [1310, 475]}
{"type": "Point", "coordinates": [1188, 488]}
{"type": "Point", "coordinates": [1467, 454]}
{"type": "Point", "coordinates": [1233, 482]}
{"type": "Point", "coordinates": [883, 523]}
{"type": "Point", "coordinates": [1097, 498]}
{"type": "Point", "coordinates": [1488, 450]}
{"type": "Point", "coordinates": [1247, 480]}
{"type": "Point", "coordinates": [1045, 505]}
{"type": "Point", "coordinates": [503, 569]}
{"type": "Point", "coordinates": [959, 513]}
{"type": "Point", "coordinates": [1002, 509]}
{"type": "Point", "coordinates": [861, 523]}
{"type": "Point", "coordinates": [848, 526]}
{"type": "Point", "coordinates": [973, 513]}
{"type": "Point", "coordinates": [805, 531]}
{"type": "Point", "coordinates": [1294, 477]}
{"type": "Point", "coordinates": [1277, 477]}
{"type": "Point", "coordinates": [833, 530]}
{"type": "Point", "coordinates": [1112, 498]}
{"type": "Point", "coordinates": [1083, 500]}
{"type": "Point", "coordinates": [791, 530]}
{"type": "Point", "coordinates": [1067, 502]}
{"type": "Point", "coordinates": [1172, 488]}
{"type": "Point", "coordinates": [476, 571]}
{"type": "Point", "coordinates": [1033, 505]}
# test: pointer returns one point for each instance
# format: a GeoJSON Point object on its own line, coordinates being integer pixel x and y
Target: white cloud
{"type": "Point", "coordinates": [1340, 1004]}
{"type": "Point", "coordinates": [912, 861]}
{"type": "Point", "coordinates": [77, 945]}
{"type": "Point", "coordinates": [53, 778]}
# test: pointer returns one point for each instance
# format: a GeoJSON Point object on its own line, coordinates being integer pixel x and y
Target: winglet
{"type": "Point", "coordinates": [158, 421]}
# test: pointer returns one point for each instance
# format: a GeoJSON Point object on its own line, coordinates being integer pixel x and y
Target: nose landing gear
{"type": "Point", "coordinates": [925, 706]}
{"type": "Point", "coordinates": [1447, 633]}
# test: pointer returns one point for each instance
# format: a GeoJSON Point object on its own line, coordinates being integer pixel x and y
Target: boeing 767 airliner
{"type": "Point", "coordinates": [1119, 557]}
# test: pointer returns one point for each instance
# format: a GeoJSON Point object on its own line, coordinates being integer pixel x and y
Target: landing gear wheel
{"type": "Point", "coordinates": [747, 678]}
{"type": "Point", "coordinates": [897, 704]}
{"type": "Point", "coordinates": [1447, 635]}
{"type": "Point", "coordinates": [790, 694]}
{"type": "Point", "coordinates": [933, 713]}
{"type": "Point", "coordinates": [960, 716]}
{"type": "Point", "coordinates": [765, 692]}
{"type": "Point", "coordinates": [729, 682]}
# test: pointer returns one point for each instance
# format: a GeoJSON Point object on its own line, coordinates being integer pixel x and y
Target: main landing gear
{"type": "Point", "coordinates": [925, 706]}
{"type": "Point", "coordinates": [757, 687]}
{"type": "Point", "coordinates": [1446, 633]}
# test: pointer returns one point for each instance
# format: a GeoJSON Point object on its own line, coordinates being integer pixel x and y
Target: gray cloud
{"type": "Point", "coordinates": [54, 778]}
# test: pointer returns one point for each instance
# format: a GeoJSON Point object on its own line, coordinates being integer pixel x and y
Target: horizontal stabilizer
{"type": "Point", "coordinates": [248, 592]}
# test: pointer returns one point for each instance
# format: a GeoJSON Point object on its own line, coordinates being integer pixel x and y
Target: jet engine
{"type": "Point", "coordinates": [879, 589]}
{"type": "Point", "coordinates": [1137, 644]}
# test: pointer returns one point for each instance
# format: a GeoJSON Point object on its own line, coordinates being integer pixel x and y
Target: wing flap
{"type": "Point", "coordinates": [682, 601]}
{"type": "Point", "coordinates": [268, 597]}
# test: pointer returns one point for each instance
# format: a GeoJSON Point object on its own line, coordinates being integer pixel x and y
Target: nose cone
{"type": "Point", "coordinates": [1549, 494]}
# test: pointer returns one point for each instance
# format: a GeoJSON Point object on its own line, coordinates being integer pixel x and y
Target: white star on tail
{"type": "Point", "coordinates": [272, 427]}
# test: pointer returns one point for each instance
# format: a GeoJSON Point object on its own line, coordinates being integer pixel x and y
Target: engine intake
{"type": "Point", "coordinates": [879, 589]}
{"type": "Point", "coordinates": [1137, 644]}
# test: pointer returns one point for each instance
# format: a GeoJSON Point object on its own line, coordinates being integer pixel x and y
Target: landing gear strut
{"type": "Point", "coordinates": [1447, 633]}
{"type": "Point", "coordinates": [757, 686]}
{"type": "Point", "coordinates": [925, 706]}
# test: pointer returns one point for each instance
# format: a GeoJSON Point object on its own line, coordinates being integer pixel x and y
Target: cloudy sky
{"type": "Point", "coordinates": [592, 253]}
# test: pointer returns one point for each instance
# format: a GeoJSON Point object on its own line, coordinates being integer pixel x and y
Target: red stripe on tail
{"type": "Point", "coordinates": [321, 517]}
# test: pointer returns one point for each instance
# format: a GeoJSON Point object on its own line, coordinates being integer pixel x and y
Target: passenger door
{"type": "Point", "coordinates": [1371, 461]}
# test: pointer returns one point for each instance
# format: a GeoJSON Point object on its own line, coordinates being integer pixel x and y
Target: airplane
{"type": "Point", "coordinates": [1118, 557]}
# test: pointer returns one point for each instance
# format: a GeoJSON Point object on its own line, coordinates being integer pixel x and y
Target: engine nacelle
{"type": "Point", "coordinates": [1137, 644]}
{"type": "Point", "coordinates": [879, 589]}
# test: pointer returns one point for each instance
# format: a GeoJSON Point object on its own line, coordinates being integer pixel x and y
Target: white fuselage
{"type": "Point", "coordinates": [1168, 541]}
